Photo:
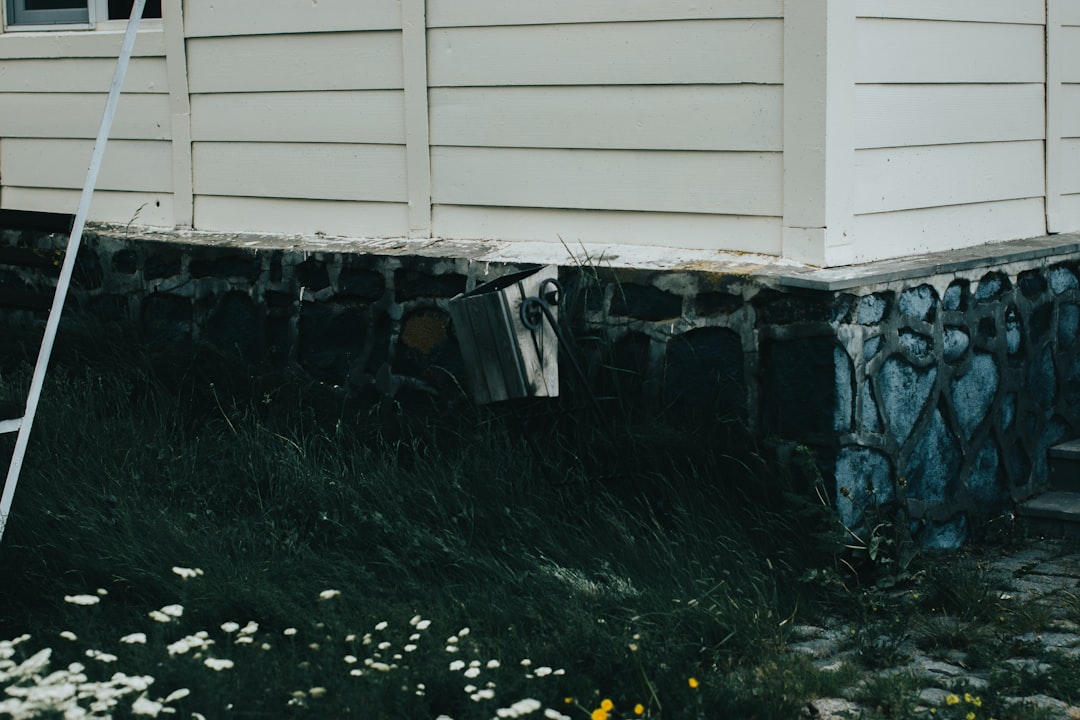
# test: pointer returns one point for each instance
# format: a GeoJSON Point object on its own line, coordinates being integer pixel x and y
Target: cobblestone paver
{"type": "Point", "coordinates": [1039, 579]}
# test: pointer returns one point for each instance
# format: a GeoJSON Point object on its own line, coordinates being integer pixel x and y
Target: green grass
{"type": "Point", "coordinates": [380, 560]}
{"type": "Point", "coordinates": [626, 563]}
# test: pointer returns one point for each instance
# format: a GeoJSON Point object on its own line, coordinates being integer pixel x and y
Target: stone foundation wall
{"type": "Point", "coordinates": [937, 390]}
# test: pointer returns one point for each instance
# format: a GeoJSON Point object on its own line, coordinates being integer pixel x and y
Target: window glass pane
{"type": "Point", "coordinates": [55, 4]}
{"type": "Point", "coordinates": [121, 9]}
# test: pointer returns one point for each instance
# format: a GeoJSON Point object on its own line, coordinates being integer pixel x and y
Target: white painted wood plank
{"type": "Point", "coordinates": [1070, 110]}
{"type": "Point", "coordinates": [1070, 213]}
{"type": "Point", "coordinates": [301, 171]}
{"type": "Point", "coordinates": [1070, 54]}
{"type": "Point", "coordinates": [1070, 166]}
{"type": "Point", "coordinates": [912, 232]}
{"type": "Point", "coordinates": [474, 13]}
{"type": "Point", "coordinates": [362, 116]}
{"type": "Point", "coordinates": [693, 117]}
{"type": "Point", "coordinates": [417, 125]}
{"type": "Point", "coordinates": [685, 52]}
{"type": "Point", "coordinates": [684, 230]}
{"type": "Point", "coordinates": [705, 182]}
{"type": "Point", "coordinates": [930, 176]}
{"type": "Point", "coordinates": [819, 129]}
{"type": "Point", "coordinates": [1069, 12]}
{"type": "Point", "coordinates": [322, 61]}
{"type": "Point", "coordinates": [898, 115]}
{"type": "Point", "coordinates": [144, 75]}
{"type": "Point", "coordinates": [998, 11]}
{"type": "Point", "coordinates": [131, 165]}
{"type": "Point", "coordinates": [273, 17]}
{"type": "Point", "coordinates": [150, 42]}
{"type": "Point", "coordinates": [300, 217]}
{"type": "Point", "coordinates": [1055, 117]}
{"type": "Point", "coordinates": [180, 109]}
{"type": "Point", "coordinates": [145, 209]}
{"type": "Point", "coordinates": [77, 115]}
{"type": "Point", "coordinates": [910, 51]}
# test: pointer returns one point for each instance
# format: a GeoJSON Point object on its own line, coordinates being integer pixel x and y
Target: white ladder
{"type": "Point", "coordinates": [23, 425]}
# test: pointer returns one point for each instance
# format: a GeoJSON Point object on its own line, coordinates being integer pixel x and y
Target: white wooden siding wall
{"type": "Point", "coordinates": [297, 116]}
{"type": "Point", "coordinates": [636, 121]}
{"type": "Point", "coordinates": [52, 93]}
{"type": "Point", "coordinates": [950, 124]}
{"type": "Point", "coordinates": [1063, 120]}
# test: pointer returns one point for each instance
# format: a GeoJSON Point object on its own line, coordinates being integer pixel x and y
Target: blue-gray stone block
{"type": "Point", "coordinates": [869, 417]}
{"type": "Point", "coordinates": [984, 481]}
{"type": "Point", "coordinates": [1068, 324]}
{"type": "Point", "coordinates": [973, 393]}
{"type": "Point", "coordinates": [845, 392]}
{"type": "Point", "coordinates": [863, 479]}
{"type": "Point", "coordinates": [955, 342]}
{"type": "Point", "coordinates": [871, 347]}
{"type": "Point", "coordinates": [905, 391]}
{"type": "Point", "coordinates": [1041, 381]}
{"type": "Point", "coordinates": [916, 346]}
{"type": "Point", "coordinates": [991, 287]}
{"type": "Point", "coordinates": [1062, 279]}
{"type": "Point", "coordinates": [918, 302]}
{"type": "Point", "coordinates": [955, 297]}
{"type": "Point", "coordinates": [872, 309]}
{"type": "Point", "coordinates": [945, 536]}
{"type": "Point", "coordinates": [934, 465]}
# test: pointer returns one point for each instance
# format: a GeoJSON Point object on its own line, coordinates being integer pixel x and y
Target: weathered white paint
{"type": "Point", "coordinates": [324, 171]}
{"type": "Point", "coordinates": [1070, 166]}
{"type": "Point", "coordinates": [693, 117]}
{"type": "Point", "coordinates": [819, 114]}
{"type": "Point", "coordinates": [180, 107]}
{"type": "Point", "coordinates": [682, 52]}
{"type": "Point", "coordinates": [136, 208]}
{"type": "Point", "coordinates": [417, 132]}
{"type": "Point", "coordinates": [714, 232]}
{"type": "Point", "coordinates": [910, 51]}
{"type": "Point", "coordinates": [1068, 53]}
{"type": "Point", "coordinates": [996, 11]}
{"type": "Point", "coordinates": [320, 61]}
{"type": "Point", "coordinates": [893, 235]}
{"type": "Point", "coordinates": [697, 182]}
{"type": "Point", "coordinates": [898, 115]}
{"type": "Point", "coordinates": [1069, 110]}
{"type": "Point", "coordinates": [475, 13]}
{"type": "Point", "coordinates": [79, 75]}
{"type": "Point", "coordinates": [65, 45]}
{"type": "Point", "coordinates": [361, 116]}
{"type": "Point", "coordinates": [273, 17]}
{"type": "Point", "coordinates": [132, 165]}
{"type": "Point", "coordinates": [307, 217]}
{"type": "Point", "coordinates": [905, 178]}
{"type": "Point", "coordinates": [76, 115]}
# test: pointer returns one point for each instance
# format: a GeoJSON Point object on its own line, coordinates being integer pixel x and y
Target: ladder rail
{"type": "Point", "coordinates": [63, 282]}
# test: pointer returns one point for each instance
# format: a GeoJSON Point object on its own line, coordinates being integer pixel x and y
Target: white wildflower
{"type": "Point", "coordinates": [134, 639]}
{"type": "Point", "coordinates": [486, 694]}
{"type": "Point", "coordinates": [68, 635]}
{"type": "Point", "coordinates": [380, 666]}
{"type": "Point", "coordinates": [158, 616]}
{"type": "Point", "coordinates": [423, 625]}
{"type": "Point", "coordinates": [351, 659]}
{"type": "Point", "coordinates": [457, 665]}
{"type": "Point", "coordinates": [383, 645]}
{"type": "Point", "coordinates": [187, 573]}
{"type": "Point", "coordinates": [177, 695]}
{"type": "Point", "coordinates": [492, 664]}
{"type": "Point", "coordinates": [82, 599]}
{"type": "Point", "coordinates": [101, 656]}
{"type": "Point", "coordinates": [174, 611]}
{"type": "Point", "coordinates": [230, 627]}
{"type": "Point", "coordinates": [472, 672]}
{"type": "Point", "coordinates": [317, 692]}
{"type": "Point", "coordinates": [543, 671]}
{"type": "Point", "coordinates": [451, 648]}
{"type": "Point", "coordinates": [145, 706]}
{"type": "Point", "coordinates": [289, 631]}
{"type": "Point", "coordinates": [329, 594]}
{"type": "Point", "coordinates": [526, 662]}
{"type": "Point", "coordinates": [218, 664]}
{"type": "Point", "coordinates": [463, 632]}
{"type": "Point", "coordinates": [551, 714]}
{"type": "Point", "coordinates": [250, 629]}
{"type": "Point", "coordinates": [382, 626]}
{"type": "Point", "coordinates": [409, 648]}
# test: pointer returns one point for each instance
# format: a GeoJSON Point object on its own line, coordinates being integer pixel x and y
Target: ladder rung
{"type": "Point", "coordinates": [10, 426]}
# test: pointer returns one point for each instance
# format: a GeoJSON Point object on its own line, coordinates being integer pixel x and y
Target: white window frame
{"type": "Point", "coordinates": [96, 15]}
{"type": "Point", "coordinates": [47, 19]}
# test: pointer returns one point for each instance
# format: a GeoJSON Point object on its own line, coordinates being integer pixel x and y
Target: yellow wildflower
{"type": "Point", "coordinates": [599, 714]}
{"type": "Point", "coordinates": [606, 705]}
{"type": "Point", "coordinates": [970, 716]}
{"type": "Point", "coordinates": [639, 709]}
{"type": "Point", "coordinates": [951, 699]}
{"type": "Point", "coordinates": [693, 683]}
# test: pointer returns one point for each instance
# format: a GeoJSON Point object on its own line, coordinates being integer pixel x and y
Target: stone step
{"type": "Point", "coordinates": [1064, 466]}
{"type": "Point", "coordinates": [1055, 513]}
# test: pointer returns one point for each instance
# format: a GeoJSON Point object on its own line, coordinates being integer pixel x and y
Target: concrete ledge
{"type": "Point", "coordinates": [769, 269]}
